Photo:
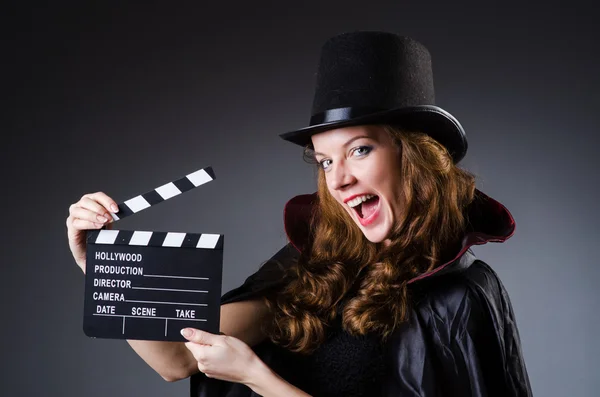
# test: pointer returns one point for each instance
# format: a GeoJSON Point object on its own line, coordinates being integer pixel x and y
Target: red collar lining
{"type": "Point", "coordinates": [490, 221]}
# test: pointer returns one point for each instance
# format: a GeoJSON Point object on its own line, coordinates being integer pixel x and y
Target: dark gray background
{"type": "Point", "coordinates": [122, 97]}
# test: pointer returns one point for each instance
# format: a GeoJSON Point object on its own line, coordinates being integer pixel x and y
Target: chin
{"type": "Point", "coordinates": [377, 235]}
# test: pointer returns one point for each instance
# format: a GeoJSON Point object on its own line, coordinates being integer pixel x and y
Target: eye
{"type": "Point", "coordinates": [325, 163]}
{"type": "Point", "coordinates": [361, 151]}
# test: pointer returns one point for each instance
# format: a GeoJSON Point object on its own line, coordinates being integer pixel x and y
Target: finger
{"type": "Point", "coordinates": [105, 200]}
{"type": "Point", "coordinates": [87, 214]}
{"type": "Point", "coordinates": [79, 224]}
{"type": "Point", "coordinates": [205, 370]}
{"type": "Point", "coordinates": [95, 206]}
{"type": "Point", "coordinates": [89, 210]}
{"type": "Point", "coordinates": [198, 336]}
{"type": "Point", "coordinates": [197, 350]}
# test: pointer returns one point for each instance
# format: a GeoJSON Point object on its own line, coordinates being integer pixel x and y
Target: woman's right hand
{"type": "Point", "coordinates": [91, 212]}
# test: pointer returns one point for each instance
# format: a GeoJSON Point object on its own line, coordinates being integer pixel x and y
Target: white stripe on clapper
{"type": "Point", "coordinates": [137, 203]}
{"type": "Point", "coordinates": [174, 239]}
{"type": "Point", "coordinates": [199, 177]}
{"type": "Point", "coordinates": [107, 236]}
{"type": "Point", "coordinates": [208, 240]}
{"type": "Point", "coordinates": [168, 190]}
{"type": "Point", "coordinates": [140, 238]}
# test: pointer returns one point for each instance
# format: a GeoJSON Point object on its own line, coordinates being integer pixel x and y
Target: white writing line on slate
{"type": "Point", "coordinates": [169, 303]}
{"type": "Point", "coordinates": [166, 321]}
{"type": "Point", "coordinates": [158, 318]}
{"type": "Point", "coordinates": [123, 325]}
{"type": "Point", "coordinates": [169, 289]}
{"type": "Point", "coordinates": [190, 278]}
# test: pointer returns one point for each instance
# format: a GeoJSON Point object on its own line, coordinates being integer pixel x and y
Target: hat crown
{"type": "Point", "coordinates": [367, 78]}
{"type": "Point", "coordinates": [377, 70]}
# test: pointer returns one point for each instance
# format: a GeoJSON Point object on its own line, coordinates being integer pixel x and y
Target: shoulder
{"type": "Point", "coordinates": [462, 332]}
{"type": "Point", "coordinates": [453, 287]}
{"type": "Point", "coordinates": [453, 313]}
{"type": "Point", "coordinates": [461, 301]}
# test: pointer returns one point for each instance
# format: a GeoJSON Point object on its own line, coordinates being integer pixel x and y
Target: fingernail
{"type": "Point", "coordinates": [101, 218]}
{"type": "Point", "coordinates": [114, 208]}
{"type": "Point", "coordinates": [186, 332]}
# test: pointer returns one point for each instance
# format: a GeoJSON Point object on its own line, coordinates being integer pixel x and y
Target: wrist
{"type": "Point", "coordinates": [265, 382]}
{"type": "Point", "coordinates": [258, 375]}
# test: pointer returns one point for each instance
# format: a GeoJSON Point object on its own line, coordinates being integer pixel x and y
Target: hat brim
{"type": "Point", "coordinates": [429, 119]}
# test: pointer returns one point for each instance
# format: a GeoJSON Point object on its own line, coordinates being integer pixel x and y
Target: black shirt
{"type": "Point", "coordinates": [343, 365]}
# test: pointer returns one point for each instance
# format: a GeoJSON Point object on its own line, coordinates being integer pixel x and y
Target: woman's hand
{"type": "Point", "coordinates": [228, 358]}
{"type": "Point", "coordinates": [222, 357]}
{"type": "Point", "coordinates": [91, 212]}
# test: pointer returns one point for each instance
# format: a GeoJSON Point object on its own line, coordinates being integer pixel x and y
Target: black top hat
{"type": "Point", "coordinates": [378, 78]}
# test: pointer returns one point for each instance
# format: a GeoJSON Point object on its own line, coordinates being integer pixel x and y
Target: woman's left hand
{"type": "Point", "coordinates": [222, 357]}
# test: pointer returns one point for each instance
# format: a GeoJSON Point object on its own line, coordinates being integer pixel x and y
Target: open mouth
{"type": "Point", "coordinates": [366, 208]}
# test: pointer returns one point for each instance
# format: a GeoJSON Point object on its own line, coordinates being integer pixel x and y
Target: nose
{"type": "Point", "coordinates": [341, 177]}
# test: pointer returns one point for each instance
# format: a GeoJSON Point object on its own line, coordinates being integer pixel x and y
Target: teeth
{"type": "Point", "coordinates": [357, 200]}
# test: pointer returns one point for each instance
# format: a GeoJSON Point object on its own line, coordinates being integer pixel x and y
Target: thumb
{"type": "Point", "coordinates": [198, 336]}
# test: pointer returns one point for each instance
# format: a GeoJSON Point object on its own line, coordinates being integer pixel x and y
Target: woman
{"type": "Point", "coordinates": [377, 293]}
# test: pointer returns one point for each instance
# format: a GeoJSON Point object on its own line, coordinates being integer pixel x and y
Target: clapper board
{"type": "Point", "coordinates": [149, 285]}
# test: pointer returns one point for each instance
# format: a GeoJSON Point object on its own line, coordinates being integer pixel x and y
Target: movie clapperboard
{"type": "Point", "coordinates": [149, 285]}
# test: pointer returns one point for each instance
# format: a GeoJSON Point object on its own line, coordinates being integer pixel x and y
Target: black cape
{"type": "Point", "coordinates": [461, 339]}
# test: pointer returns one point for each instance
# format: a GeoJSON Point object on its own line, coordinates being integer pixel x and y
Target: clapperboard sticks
{"type": "Point", "coordinates": [148, 284]}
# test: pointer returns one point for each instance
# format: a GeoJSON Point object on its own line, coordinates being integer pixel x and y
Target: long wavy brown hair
{"type": "Point", "coordinates": [343, 273]}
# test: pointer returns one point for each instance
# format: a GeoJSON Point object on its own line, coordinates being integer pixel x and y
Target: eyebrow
{"type": "Point", "coordinates": [345, 144]}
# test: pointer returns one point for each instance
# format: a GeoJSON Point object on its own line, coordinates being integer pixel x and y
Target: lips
{"type": "Point", "coordinates": [357, 198]}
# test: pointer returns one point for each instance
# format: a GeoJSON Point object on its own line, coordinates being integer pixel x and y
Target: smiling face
{"type": "Point", "coordinates": [362, 169]}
